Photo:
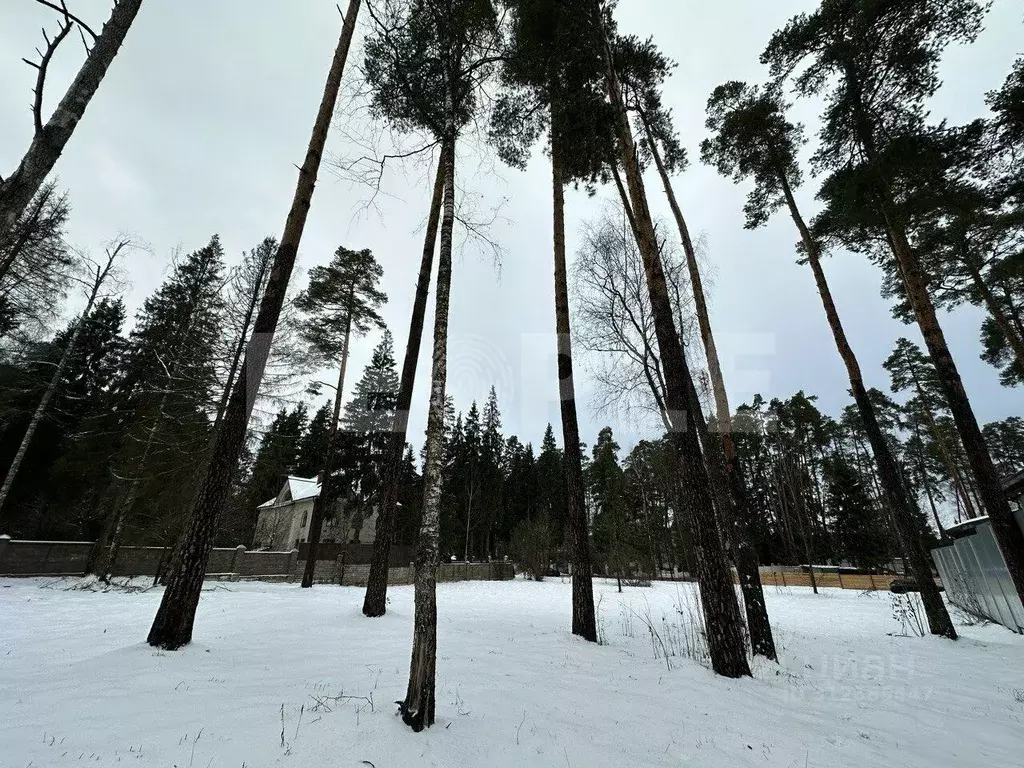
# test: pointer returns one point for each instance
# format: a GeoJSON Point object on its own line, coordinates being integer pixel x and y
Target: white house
{"type": "Point", "coordinates": [283, 521]}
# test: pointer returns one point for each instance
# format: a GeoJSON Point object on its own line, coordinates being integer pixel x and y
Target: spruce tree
{"type": "Point", "coordinates": [367, 421]}
{"type": "Point", "coordinates": [613, 536]}
{"type": "Point", "coordinates": [313, 444]}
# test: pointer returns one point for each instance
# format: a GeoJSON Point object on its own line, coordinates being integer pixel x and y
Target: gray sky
{"type": "Point", "coordinates": [205, 113]}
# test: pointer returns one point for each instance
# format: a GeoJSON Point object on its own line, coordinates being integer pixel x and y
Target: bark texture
{"type": "Point", "coordinates": [725, 629]}
{"type": "Point", "coordinates": [376, 598]}
{"type": "Point", "coordinates": [584, 622]}
{"type": "Point", "coordinates": [735, 510]}
{"type": "Point", "coordinates": [418, 707]}
{"type": "Point", "coordinates": [17, 190]}
{"type": "Point", "coordinates": [172, 627]}
{"type": "Point", "coordinates": [894, 490]}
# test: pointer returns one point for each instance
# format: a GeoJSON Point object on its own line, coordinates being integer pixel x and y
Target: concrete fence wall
{"type": "Point", "coordinates": [70, 558]}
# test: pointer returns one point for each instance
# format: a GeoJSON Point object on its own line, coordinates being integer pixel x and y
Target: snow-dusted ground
{"type": "Point", "coordinates": [515, 688]}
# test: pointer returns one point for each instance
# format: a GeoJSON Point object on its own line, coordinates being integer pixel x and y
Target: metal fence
{"type": "Point", "coordinates": [975, 576]}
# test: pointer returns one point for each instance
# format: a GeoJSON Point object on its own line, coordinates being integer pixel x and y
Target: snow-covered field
{"type": "Point", "coordinates": [280, 676]}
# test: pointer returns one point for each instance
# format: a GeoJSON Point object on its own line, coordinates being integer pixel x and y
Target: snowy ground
{"type": "Point", "coordinates": [77, 687]}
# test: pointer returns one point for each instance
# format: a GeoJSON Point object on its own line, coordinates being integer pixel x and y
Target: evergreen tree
{"type": "Point", "coordinates": [551, 61]}
{"type": "Point", "coordinates": [1006, 442]}
{"type": "Point", "coordinates": [752, 138]}
{"type": "Point", "coordinates": [342, 301]}
{"type": "Point", "coordinates": [613, 537]}
{"type": "Point", "coordinates": [493, 471]}
{"type": "Point", "coordinates": [313, 444]}
{"type": "Point", "coordinates": [857, 529]}
{"type": "Point", "coordinates": [426, 63]}
{"type": "Point", "coordinates": [367, 422]}
{"type": "Point", "coordinates": [876, 64]}
{"type": "Point", "coordinates": [163, 400]}
{"type": "Point", "coordinates": [277, 457]}
{"type": "Point", "coordinates": [551, 487]}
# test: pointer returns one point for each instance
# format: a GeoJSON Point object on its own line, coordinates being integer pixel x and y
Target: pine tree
{"type": "Point", "coordinates": [877, 65]}
{"type": "Point", "coordinates": [425, 63]}
{"type": "Point", "coordinates": [726, 641]}
{"type": "Point", "coordinates": [753, 139]}
{"type": "Point", "coordinates": [375, 600]}
{"type": "Point", "coordinates": [551, 61]}
{"type": "Point", "coordinates": [50, 138]}
{"type": "Point", "coordinates": [341, 302]}
{"type": "Point", "coordinates": [1005, 440]}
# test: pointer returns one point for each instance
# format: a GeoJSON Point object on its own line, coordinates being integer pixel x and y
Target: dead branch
{"type": "Point", "coordinates": [41, 68]}
{"type": "Point", "coordinates": [63, 9]}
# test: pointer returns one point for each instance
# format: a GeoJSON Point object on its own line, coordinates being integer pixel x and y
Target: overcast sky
{"type": "Point", "coordinates": [204, 115]}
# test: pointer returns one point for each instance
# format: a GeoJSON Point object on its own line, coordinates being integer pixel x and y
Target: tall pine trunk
{"type": "Point", "coordinates": [418, 707]}
{"type": "Point", "coordinates": [18, 189]}
{"type": "Point", "coordinates": [172, 626]}
{"type": "Point", "coordinates": [895, 493]}
{"type": "Point", "coordinates": [724, 623]}
{"type": "Point", "coordinates": [737, 510]}
{"type": "Point", "coordinates": [324, 497]}
{"type": "Point", "coordinates": [915, 283]}
{"type": "Point", "coordinates": [376, 598]}
{"type": "Point", "coordinates": [584, 621]}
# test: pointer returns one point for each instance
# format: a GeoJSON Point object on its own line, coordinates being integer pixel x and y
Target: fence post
{"type": "Point", "coordinates": [839, 573]}
{"type": "Point", "coordinates": [871, 576]}
{"type": "Point", "coordinates": [783, 579]}
{"type": "Point", "coordinates": [239, 552]}
{"type": "Point", "coordinates": [340, 568]}
{"type": "Point", "coordinates": [4, 541]}
{"type": "Point", "coordinates": [293, 558]}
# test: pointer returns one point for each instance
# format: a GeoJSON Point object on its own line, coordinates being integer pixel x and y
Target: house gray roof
{"type": "Point", "coordinates": [294, 489]}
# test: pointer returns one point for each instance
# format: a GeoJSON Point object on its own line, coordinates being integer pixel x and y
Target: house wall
{"type": "Point", "coordinates": [286, 526]}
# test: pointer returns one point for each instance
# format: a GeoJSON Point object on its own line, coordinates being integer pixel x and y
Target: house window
{"type": "Point", "coordinates": [305, 515]}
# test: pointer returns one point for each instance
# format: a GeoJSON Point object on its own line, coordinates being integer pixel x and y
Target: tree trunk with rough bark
{"type": "Point", "coordinates": [724, 623]}
{"type": "Point", "coordinates": [735, 509]}
{"type": "Point", "coordinates": [584, 621]}
{"type": "Point", "coordinates": [18, 189]}
{"type": "Point", "coordinates": [418, 707]}
{"type": "Point", "coordinates": [375, 601]}
{"type": "Point", "coordinates": [172, 627]}
{"type": "Point", "coordinates": [324, 497]}
{"type": "Point", "coordinates": [895, 493]}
